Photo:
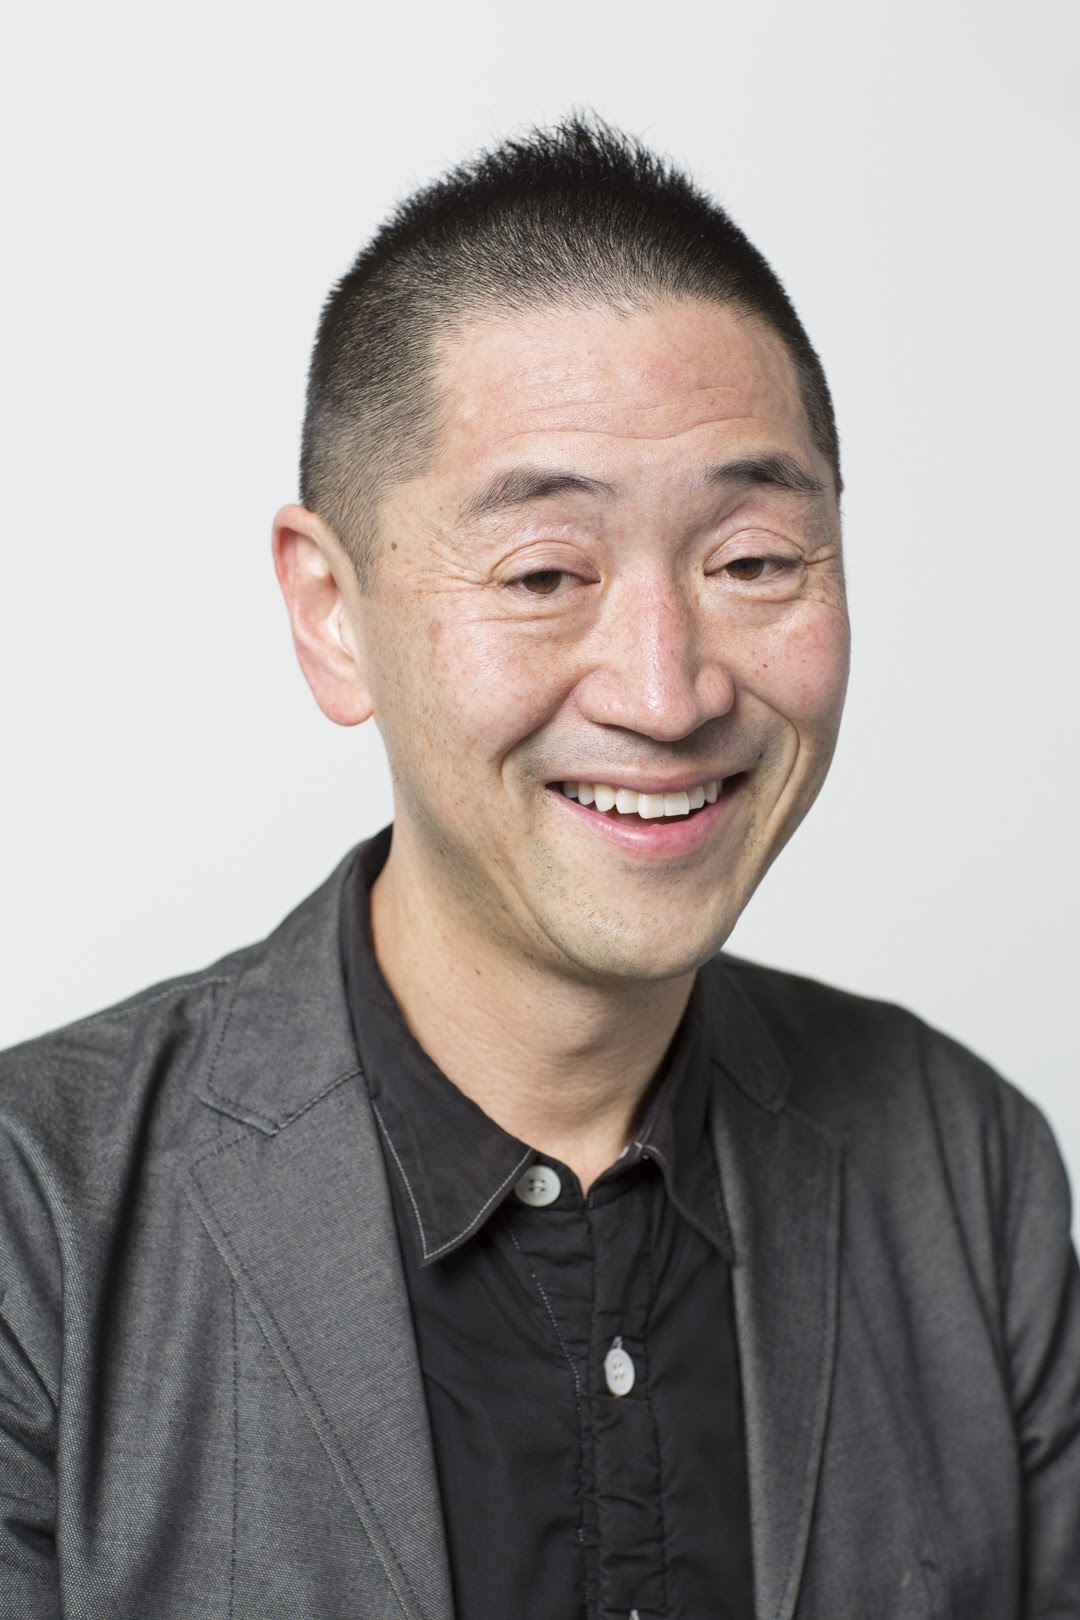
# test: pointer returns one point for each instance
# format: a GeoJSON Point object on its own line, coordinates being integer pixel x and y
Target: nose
{"type": "Point", "coordinates": [656, 668]}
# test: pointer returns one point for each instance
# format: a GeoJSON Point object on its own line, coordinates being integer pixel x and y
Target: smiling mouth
{"type": "Point", "coordinates": [628, 804]}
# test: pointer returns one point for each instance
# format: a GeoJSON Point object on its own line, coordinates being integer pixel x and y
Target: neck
{"type": "Point", "coordinates": [561, 1064]}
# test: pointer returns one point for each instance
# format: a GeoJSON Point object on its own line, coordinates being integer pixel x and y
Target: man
{"type": "Point", "coordinates": [483, 1243]}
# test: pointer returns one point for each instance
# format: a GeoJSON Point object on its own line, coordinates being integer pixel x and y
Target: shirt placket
{"type": "Point", "coordinates": [592, 1268]}
{"type": "Point", "coordinates": [629, 1481]}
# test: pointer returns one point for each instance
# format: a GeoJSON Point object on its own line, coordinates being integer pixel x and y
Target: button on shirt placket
{"type": "Point", "coordinates": [591, 1261]}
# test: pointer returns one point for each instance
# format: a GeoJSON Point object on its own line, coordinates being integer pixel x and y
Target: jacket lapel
{"type": "Point", "coordinates": [780, 1175]}
{"type": "Point", "coordinates": [294, 1196]}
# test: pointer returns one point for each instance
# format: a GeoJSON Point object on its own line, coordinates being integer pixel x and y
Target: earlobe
{"type": "Point", "coordinates": [322, 598]}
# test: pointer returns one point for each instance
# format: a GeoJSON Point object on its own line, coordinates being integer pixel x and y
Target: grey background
{"type": "Point", "coordinates": [182, 186]}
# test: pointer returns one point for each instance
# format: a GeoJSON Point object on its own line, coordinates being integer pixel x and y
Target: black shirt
{"type": "Point", "coordinates": [578, 1353]}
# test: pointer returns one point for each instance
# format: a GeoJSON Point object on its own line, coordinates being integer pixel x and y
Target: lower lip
{"type": "Point", "coordinates": [662, 839]}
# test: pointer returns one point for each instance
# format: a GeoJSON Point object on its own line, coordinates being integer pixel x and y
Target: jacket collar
{"type": "Point", "coordinates": [284, 1039]}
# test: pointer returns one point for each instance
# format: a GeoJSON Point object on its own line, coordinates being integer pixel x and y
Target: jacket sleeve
{"type": "Point", "coordinates": [29, 1366]}
{"type": "Point", "coordinates": [1042, 1335]}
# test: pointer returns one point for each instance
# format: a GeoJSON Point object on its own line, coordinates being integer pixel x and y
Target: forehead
{"type": "Point", "coordinates": [659, 384]}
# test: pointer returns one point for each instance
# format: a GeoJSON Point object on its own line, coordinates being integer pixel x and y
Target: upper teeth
{"type": "Point", "coordinates": [646, 805]}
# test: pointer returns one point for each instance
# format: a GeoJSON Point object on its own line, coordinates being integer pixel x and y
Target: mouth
{"type": "Point", "coordinates": [633, 806]}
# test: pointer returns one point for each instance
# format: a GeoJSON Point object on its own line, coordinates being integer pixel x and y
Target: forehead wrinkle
{"type": "Point", "coordinates": [588, 413]}
{"type": "Point", "coordinates": [711, 467]}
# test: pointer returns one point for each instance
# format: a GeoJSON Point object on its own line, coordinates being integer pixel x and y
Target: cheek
{"type": "Point", "coordinates": [479, 684]}
{"type": "Point", "coordinates": [803, 667]}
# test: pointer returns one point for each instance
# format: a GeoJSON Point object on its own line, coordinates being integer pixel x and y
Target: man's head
{"type": "Point", "coordinates": [576, 217]}
{"type": "Point", "coordinates": [608, 553]}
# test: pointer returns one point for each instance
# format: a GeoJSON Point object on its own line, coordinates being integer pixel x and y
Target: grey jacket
{"type": "Point", "coordinates": [210, 1404]}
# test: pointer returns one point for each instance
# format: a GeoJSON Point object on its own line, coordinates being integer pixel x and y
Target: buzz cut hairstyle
{"type": "Point", "coordinates": [576, 216]}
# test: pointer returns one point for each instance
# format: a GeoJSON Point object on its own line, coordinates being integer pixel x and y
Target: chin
{"type": "Point", "coordinates": [641, 955]}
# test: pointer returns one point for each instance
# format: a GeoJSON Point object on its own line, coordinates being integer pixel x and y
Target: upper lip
{"type": "Point", "coordinates": [646, 783]}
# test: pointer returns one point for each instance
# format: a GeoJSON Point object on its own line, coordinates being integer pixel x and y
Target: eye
{"type": "Point", "coordinates": [764, 577]}
{"type": "Point", "coordinates": [544, 582]}
{"type": "Point", "coordinates": [746, 569]}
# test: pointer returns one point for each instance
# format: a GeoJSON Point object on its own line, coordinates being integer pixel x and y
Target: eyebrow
{"type": "Point", "coordinates": [520, 485]}
{"type": "Point", "coordinates": [523, 484]}
{"type": "Point", "coordinates": [775, 471]}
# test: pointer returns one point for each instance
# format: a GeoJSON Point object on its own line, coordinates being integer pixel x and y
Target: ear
{"type": "Point", "coordinates": [320, 588]}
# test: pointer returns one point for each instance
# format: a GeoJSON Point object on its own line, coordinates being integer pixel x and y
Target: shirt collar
{"type": "Point", "coordinates": [455, 1164]}
{"type": "Point", "coordinates": [675, 1130]}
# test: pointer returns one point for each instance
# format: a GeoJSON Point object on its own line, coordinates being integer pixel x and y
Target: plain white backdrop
{"type": "Point", "coordinates": [182, 186]}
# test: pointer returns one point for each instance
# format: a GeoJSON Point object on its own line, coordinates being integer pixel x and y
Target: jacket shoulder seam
{"type": "Point", "coordinates": [173, 991]}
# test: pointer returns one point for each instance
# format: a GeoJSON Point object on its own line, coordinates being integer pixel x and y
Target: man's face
{"type": "Point", "coordinates": [621, 568]}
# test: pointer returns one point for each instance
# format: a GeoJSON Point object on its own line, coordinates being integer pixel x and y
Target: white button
{"type": "Point", "coordinates": [618, 1370]}
{"type": "Point", "coordinates": [538, 1186]}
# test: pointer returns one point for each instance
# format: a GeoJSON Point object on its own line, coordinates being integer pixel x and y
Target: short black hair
{"type": "Point", "coordinates": [578, 215]}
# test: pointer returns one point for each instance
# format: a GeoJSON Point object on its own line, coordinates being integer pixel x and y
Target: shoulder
{"type": "Point", "coordinates": [846, 1052]}
{"type": "Point", "coordinates": [909, 1105]}
{"type": "Point", "coordinates": [77, 1097]}
{"type": "Point", "coordinates": [86, 1110]}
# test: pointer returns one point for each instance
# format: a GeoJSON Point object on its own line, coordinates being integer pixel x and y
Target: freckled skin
{"type": "Point", "coordinates": [650, 657]}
